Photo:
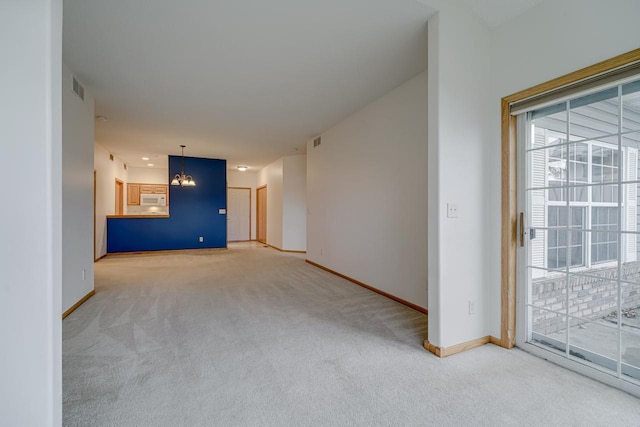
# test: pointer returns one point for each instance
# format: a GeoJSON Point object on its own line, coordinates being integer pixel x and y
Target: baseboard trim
{"type": "Point", "coordinates": [165, 251]}
{"type": "Point", "coordinates": [285, 250]}
{"type": "Point", "coordinates": [459, 348]}
{"type": "Point", "coordinates": [100, 257]}
{"type": "Point", "coordinates": [79, 303]}
{"type": "Point", "coordinates": [371, 288]}
{"type": "Point", "coordinates": [496, 341]}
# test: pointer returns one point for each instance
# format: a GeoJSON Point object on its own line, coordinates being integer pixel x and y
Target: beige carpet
{"type": "Point", "coordinates": [255, 337]}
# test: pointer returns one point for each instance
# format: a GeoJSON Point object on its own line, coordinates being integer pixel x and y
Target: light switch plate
{"type": "Point", "coordinates": [222, 211]}
{"type": "Point", "coordinates": [452, 210]}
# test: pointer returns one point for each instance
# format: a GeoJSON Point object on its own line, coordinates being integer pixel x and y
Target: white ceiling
{"type": "Point", "coordinates": [497, 12]}
{"type": "Point", "coordinates": [247, 81]}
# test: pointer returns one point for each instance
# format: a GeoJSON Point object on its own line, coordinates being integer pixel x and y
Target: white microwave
{"type": "Point", "coordinates": [153, 200]}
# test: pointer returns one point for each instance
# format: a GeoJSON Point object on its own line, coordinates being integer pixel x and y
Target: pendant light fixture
{"type": "Point", "coordinates": [181, 178]}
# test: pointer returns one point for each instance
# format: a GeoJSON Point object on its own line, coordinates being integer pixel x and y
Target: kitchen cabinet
{"type": "Point", "coordinates": [135, 189]}
{"type": "Point", "coordinates": [133, 194]}
{"type": "Point", "coordinates": [146, 189]}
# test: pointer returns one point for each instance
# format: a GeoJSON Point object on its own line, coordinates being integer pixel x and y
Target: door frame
{"type": "Point", "coordinates": [94, 214]}
{"type": "Point", "coordinates": [120, 184]}
{"type": "Point", "coordinates": [258, 214]}
{"type": "Point", "coordinates": [241, 188]}
{"type": "Point", "coordinates": [510, 223]}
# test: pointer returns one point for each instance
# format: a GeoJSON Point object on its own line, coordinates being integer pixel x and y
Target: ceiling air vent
{"type": "Point", "coordinates": [78, 89]}
{"type": "Point", "coordinates": [316, 142]}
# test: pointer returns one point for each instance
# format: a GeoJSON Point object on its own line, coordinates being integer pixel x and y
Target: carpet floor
{"type": "Point", "coordinates": [255, 337]}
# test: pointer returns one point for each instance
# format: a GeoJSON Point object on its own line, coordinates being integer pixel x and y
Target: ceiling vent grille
{"type": "Point", "coordinates": [317, 142]}
{"type": "Point", "coordinates": [78, 89]}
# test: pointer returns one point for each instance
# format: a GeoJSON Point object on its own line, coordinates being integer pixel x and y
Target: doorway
{"type": "Point", "coordinates": [94, 215]}
{"type": "Point", "coordinates": [261, 208]}
{"type": "Point", "coordinates": [238, 214]}
{"type": "Point", "coordinates": [119, 197]}
{"type": "Point", "coordinates": [578, 261]}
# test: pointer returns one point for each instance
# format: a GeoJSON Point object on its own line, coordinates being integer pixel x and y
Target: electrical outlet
{"type": "Point", "coordinates": [452, 210]}
{"type": "Point", "coordinates": [84, 274]}
{"type": "Point", "coordinates": [201, 239]}
{"type": "Point", "coordinates": [321, 251]}
{"type": "Point", "coordinates": [472, 307]}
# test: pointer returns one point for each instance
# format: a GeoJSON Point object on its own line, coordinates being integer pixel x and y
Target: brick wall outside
{"type": "Point", "coordinates": [590, 298]}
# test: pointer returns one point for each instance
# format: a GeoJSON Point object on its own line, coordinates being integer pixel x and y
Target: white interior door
{"type": "Point", "coordinates": [238, 214]}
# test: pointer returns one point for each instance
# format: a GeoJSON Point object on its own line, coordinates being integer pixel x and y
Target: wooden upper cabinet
{"type": "Point", "coordinates": [134, 191]}
{"type": "Point", "coordinates": [160, 189]}
{"type": "Point", "coordinates": [133, 194]}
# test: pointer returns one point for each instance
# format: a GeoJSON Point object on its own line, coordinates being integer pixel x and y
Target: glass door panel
{"type": "Point", "coordinates": [581, 256]}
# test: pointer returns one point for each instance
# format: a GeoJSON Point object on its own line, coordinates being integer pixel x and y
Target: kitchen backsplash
{"type": "Point", "coordinates": [147, 210]}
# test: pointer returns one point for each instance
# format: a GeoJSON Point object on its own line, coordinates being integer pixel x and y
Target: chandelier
{"type": "Point", "coordinates": [181, 178]}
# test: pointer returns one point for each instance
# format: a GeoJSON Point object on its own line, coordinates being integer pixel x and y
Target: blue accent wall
{"type": "Point", "coordinates": [193, 213]}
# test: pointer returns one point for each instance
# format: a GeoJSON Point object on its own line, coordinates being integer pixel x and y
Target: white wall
{"type": "Point", "coordinates": [106, 173]}
{"type": "Point", "coordinates": [294, 203]}
{"type": "Point", "coordinates": [286, 202]}
{"type": "Point", "coordinates": [77, 192]}
{"type": "Point", "coordinates": [248, 180]}
{"type": "Point", "coordinates": [31, 238]}
{"type": "Point", "coordinates": [459, 76]}
{"type": "Point", "coordinates": [564, 36]}
{"type": "Point", "coordinates": [367, 194]}
{"type": "Point", "coordinates": [272, 176]}
{"type": "Point", "coordinates": [147, 175]}
{"type": "Point", "coordinates": [470, 68]}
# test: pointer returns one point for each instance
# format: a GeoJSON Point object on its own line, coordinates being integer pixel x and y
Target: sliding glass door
{"type": "Point", "coordinates": [579, 265]}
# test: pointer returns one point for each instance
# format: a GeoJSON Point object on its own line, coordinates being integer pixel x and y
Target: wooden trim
{"type": "Point", "coordinates": [509, 184]}
{"type": "Point", "coordinates": [458, 348]}
{"type": "Point", "coordinates": [119, 183]}
{"type": "Point", "coordinates": [371, 288]}
{"type": "Point", "coordinates": [576, 76]}
{"type": "Point", "coordinates": [100, 257]}
{"type": "Point", "coordinates": [258, 212]}
{"type": "Point", "coordinates": [495, 341]}
{"type": "Point", "coordinates": [284, 250]}
{"type": "Point", "coordinates": [94, 216]}
{"type": "Point", "coordinates": [509, 228]}
{"type": "Point", "coordinates": [244, 188]}
{"type": "Point", "coordinates": [79, 303]}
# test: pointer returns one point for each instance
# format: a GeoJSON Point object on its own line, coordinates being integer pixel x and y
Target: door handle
{"type": "Point", "coordinates": [521, 228]}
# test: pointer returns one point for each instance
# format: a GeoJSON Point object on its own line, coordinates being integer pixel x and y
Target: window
{"type": "Point", "coordinates": [604, 245]}
{"type": "Point", "coordinates": [604, 168]}
{"type": "Point", "coordinates": [592, 186]}
{"type": "Point", "coordinates": [578, 171]}
{"type": "Point", "coordinates": [559, 239]}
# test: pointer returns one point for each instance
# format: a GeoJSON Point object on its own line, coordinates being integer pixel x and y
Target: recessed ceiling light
{"type": "Point", "coordinates": [145, 158]}
{"type": "Point", "coordinates": [242, 168]}
{"type": "Point", "coordinates": [149, 164]}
